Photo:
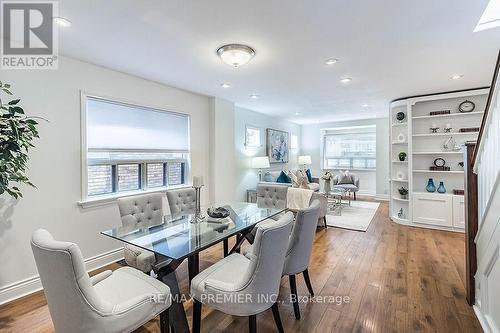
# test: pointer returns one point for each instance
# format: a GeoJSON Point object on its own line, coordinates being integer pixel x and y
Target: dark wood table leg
{"type": "Point", "coordinates": [226, 247]}
{"type": "Point", "coordinates": [193, 266]}
{"type": "Point", "coordinates": [178, 320]}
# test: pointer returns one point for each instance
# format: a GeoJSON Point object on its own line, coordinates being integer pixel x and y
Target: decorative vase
{"type": "Point", "coordinates": [441, 188]}
{"type": "Point", "coordinates": [430, 185]}
{"type": "Point", "coordinates": [402, 156]}
{"type": "Point", "coordinates": [328, 187]}
{"type": "Point", "coordinates": [400, 116]}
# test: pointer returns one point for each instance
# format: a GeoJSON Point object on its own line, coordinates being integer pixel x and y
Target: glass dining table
{"type": "Point", "coordinates": [184, 235]}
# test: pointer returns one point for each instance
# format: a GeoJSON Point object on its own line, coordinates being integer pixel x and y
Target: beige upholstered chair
{"type": "Point", "coordinates": [300, 248]}
{"type": "Point", "coordinates": [182, 200]}
{"type": "Point", "coordinates": [118, 301]}
{"type": "Point", "coordinates": [270, 195]}
{"type": "Point", "coordinates": [135, 210]}
{"type": "Point", "coordinates": [242, 285]}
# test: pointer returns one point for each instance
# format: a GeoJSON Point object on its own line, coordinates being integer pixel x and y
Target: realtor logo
{"type": "Point", "coordinates": [29, 36]}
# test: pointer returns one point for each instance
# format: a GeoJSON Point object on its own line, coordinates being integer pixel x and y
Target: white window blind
{"type": "Point", "coordinates": [117, 126]}
{"type": "Point", "coordinates": [133, 148]}
{"type": "Point", "coordinates": [350, 148]}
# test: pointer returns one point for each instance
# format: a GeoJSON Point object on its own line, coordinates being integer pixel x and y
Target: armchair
{"type": "Point", "coordinates": [349, 187]}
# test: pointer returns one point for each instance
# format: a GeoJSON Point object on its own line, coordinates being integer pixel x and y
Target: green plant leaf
{"type": "Point", "coordinates": [14, 102]}
{"type": "Point", "coordinates": [6, 85]}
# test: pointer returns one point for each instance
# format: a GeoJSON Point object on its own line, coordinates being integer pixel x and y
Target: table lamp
{"type": "Point", "coordinates": [260, 162]}
{"type": "Point", "coordinates": [305, 160]}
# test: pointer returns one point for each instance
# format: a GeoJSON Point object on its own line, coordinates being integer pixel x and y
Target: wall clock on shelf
{"type": "Point", "coordinates": [466, 106]}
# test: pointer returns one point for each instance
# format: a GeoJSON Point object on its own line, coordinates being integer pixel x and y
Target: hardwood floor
{"type": "Point", "coordinates": [397, 278]}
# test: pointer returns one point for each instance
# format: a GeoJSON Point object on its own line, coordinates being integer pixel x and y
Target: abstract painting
{"type": "Point", "coordinates": [277, 146]}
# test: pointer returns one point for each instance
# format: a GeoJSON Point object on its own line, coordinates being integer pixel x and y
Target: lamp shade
{"type": "Point", "coordinates": [260, 162]}
{"type": "Point", "coordinates": [306, 159]}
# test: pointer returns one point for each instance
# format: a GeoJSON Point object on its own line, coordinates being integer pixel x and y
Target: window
{"type": "Point", "coordinates": [252, 136]}
{"type": "Point", "coordinates": [350, 148]}
{"type": "Point", "coordinates": [133, 148]}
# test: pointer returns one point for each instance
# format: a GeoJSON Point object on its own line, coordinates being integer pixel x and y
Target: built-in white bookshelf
{"type": "Point", "coordinates": [413, 136]}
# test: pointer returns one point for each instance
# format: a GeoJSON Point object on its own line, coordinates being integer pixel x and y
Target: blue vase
{"type": "Point", "coordinates": [441, 188]}
{"type": "Point", "coordinates": [430, 186]}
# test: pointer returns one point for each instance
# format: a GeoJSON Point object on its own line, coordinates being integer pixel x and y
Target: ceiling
{"type": "Point", "coordinates": [391, 49]}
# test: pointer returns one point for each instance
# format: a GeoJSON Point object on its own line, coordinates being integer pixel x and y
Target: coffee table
{"type": "Point", "coordinates": [337, 197]}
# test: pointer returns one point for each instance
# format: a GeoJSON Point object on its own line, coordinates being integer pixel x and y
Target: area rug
{"type": "Point", "coordinates": [357, 216]}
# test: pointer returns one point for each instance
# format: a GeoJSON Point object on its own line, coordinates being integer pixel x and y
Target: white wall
{"type": "Point", "coordinates": [374, 183]}
{"type": "Point", "coordinates": [222, 153]}
{"type": "Point", "coordinates": [55, 163]}
{"type": "Point", "coordinates": [247, 178]}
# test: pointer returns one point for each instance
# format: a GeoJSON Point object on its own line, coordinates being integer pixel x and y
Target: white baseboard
{"type": "Point", "coordinates": [33, 284]}
{"type": "Point", "coordinates": [487, 328]}
{"type": "Point", "coordinates": [382, 197]}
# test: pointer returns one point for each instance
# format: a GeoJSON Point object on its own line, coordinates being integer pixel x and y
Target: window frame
{"type": "Point", "coordinates": [97, 200]}
{"type": "Point", "coordinates": [348, 130]}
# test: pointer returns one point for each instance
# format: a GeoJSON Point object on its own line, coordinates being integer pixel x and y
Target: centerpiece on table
{"type": "Point", "coordinates": [327, 177]}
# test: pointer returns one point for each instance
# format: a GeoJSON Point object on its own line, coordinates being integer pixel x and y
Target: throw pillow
{"type": "Point", "coordinates": [302, 173]}
{"type": "Point", "coordinates": [268, 177]}
{"type": "Point", "coordinates": [283, 178]}
{"type": "Point", "coordinates": [345, 178]}
{"type": "Point", "coordinates": [309, 176]}
{"type": "Point", "coordinates": [293, 177]}
{"type": "Point", "coordinates": [302, 180]}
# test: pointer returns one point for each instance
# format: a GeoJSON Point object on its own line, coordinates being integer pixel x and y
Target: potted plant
{"type": "Point", "coordinates": [327, 177]}
{"type": "Point", "coordinates": [402, 156]}
{"type": "Point", "coordinates": [403, 192]}
{"type": "Point", "coordinates": [17, 133]}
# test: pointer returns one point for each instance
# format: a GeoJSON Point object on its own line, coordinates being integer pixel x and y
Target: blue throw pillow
{"type": "Point", "coordinates": [283, 178]}
{"type": "Point", "coordinates": [309, 176]}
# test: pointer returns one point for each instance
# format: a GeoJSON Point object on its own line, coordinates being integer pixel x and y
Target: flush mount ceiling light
{"type": "Point", "coordinates": [346, 80]}
{"type": "Point", "coordinates": [456, 76]}
{"type": "Point", "coordinates": [331, 61]}
{"type": "Point", "coordinates": [235, 55]}
{"type": "Point", "coordinates": [365, 105]}
{"type": "Point", "coordinates": [297, 113]}
{"type": "Point", "coordinates": [225, 85]}
{"type": "Point", "coordinates": [62, 22]}
{"type": "Point", "coordinates": [254, 96]}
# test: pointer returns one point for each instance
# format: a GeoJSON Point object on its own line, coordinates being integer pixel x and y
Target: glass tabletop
{"type": "Point", "coordinates": [179, 235]}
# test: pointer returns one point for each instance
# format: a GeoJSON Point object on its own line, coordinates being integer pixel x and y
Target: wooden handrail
{"type": "Point", "coordinates": [485, 116]}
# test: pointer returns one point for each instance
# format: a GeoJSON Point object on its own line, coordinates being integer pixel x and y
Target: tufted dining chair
{"type": "Point", "coordinates": [109, 302]}
{"type": "Point", "coordinates": [300, 248]}
{"type": "Point", "coordinates": [147, 208]}
{"type": "Point", "coordinates": [246, 285]}
{"type": "Point", "coordinates": [182, 200]}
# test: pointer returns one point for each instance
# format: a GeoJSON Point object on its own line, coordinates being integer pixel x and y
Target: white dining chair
{"type": "Point", "coordinates": [109, 302]}
{"type": "Point", "coordinates": [246, 285]}
{"type": "Point", "coordinates": [147, 208]}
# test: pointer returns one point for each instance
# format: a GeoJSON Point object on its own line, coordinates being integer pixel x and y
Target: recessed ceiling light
{"type": "Point", "coordinates": [331, 61]}
{"type": "Point", "coordinates": [456, 76]}
{"type": "Point", "coordinates": [254, 96]}
{"type": "Point", "coordinates": [365, 105]}
{"type": "Point", "coordinates": [346, 80]}
{"type": "Point", "coordinates": [225, 85]}
{"type": "Point", "coordinates": [235, 55]}
{"type": "Point", "coordinates": [62, 22]}
{"type": "Point", "coordinates": [297, 113]}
